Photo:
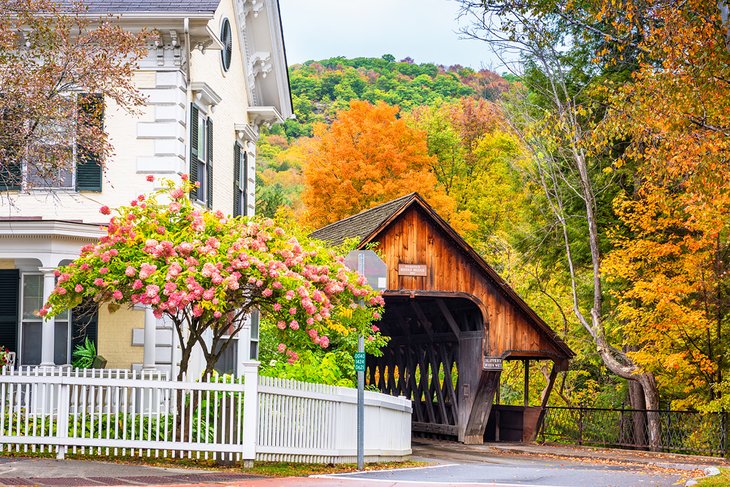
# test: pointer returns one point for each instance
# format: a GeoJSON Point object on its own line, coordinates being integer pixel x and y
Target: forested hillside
{"type": "Point", "coordinates": [596, 184]}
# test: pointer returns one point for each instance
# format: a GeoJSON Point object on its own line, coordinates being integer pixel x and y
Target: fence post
{"type": "Point", "coordinates": [64, 398]}
{"type": "Point", "coordinates": [250, 411]}
{"type": "Point", "coordinates": [580, 425]}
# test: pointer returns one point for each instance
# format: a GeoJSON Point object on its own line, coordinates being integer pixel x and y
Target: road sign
{"type": "Point", "coordinates": [367, 263]}
{"type": "Point", "coordinates": [492, 363]}
{"type": "Point", "coordinates": [360, 361]}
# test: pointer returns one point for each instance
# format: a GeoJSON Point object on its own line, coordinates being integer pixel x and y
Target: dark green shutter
{"type": "Point", "coordinates": [244, 188]}
{"type": "Point", "coordinates": [236, 180]}
{"type": "Point", "coordinates": [11, 174]}
{"type": "Point", "coordinates": [9, 293]}
{"type": "Point", "coordinates": [84, 323]}
{"type": "Point", "coordinates": [209, 166]}
{"type": "Point", "coordinates": [11, 168]}
{"type": "Point", "coordinates": [88, 163]}
{"type": "Point", "coordinates": [193, 149]}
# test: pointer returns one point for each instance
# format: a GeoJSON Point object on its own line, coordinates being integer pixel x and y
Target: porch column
{"type": "Point", "coordinates": [150, 339]}
{"type": "Point", "coordinates": [48, 328]}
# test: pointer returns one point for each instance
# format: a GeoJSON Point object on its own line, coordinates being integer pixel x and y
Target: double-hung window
{"type": "Point", "coordinates": [58, 157]}
{"type": "Point", "coordinates": [240, 180]}
{"type": "Point", "coordinates": [31, 325]}
{"type": "Point", "coordinates": [201, 155]}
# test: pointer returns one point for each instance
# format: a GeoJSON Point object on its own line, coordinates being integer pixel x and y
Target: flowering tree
{"type": "Point", "coordinates": [206, 271]}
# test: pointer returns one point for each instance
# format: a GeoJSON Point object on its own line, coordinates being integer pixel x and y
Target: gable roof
{"type": "Point", "coordinates": [363, 224]}
{"type": "Point", "coordinates": [368, 224]}
{"type": "Point", "coordinates": [143, 6]}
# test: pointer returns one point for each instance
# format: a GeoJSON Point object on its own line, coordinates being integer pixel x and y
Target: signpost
{"type": "Point", "coordinates": [374, 269]}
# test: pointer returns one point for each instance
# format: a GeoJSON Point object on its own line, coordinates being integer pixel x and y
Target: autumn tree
{"type": "Point", "coordinates": [368, 156]}
{"type": "Point", "coordinates": [56, 64]}
{"type": "Point", "coordinates": [205, 272]}
{"type": "Point", "coordinates": [670, 265]}
{"type": "Point", "coordinates": [554, 117]}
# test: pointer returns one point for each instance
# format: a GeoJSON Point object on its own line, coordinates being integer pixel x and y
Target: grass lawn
{"type": "Point", "coordinates": [722, 480]}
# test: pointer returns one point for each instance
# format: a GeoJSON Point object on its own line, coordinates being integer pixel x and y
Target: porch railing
{"type": "Point", "coordinates": [681, 431]}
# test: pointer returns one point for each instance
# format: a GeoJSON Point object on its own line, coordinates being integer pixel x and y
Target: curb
{"type": "Point", "coordinates": [709, 472]}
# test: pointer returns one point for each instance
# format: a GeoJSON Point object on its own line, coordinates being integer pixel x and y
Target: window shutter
{"type": "Point", "coordinates": [209, 166]}
{"type": "Point", "coordinates": [88, 164]}
{"type": "Point", "coordinates": [193, 149]}
{"type": "Point", "coordinates": [11, 175]}
{"type": "Point", "coordinates": [244, 189]}
{"type": "Point", "coordinates": [236, 180]}
{"type": "Point", "coordinates": [9, 293]}
{"type": "Point", "coordinates": [84, 323]}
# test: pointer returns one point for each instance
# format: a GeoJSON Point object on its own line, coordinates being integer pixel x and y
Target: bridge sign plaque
{"type": "Point", "coordinates": [492, 363]}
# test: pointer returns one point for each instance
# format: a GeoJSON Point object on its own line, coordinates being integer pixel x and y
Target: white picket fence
{"type": "Point", "coordinates": [108, 412]}
{"type": "Point", "coordinates": [315, 423]}
{"type": "Point", "coordinates": [99, 413]}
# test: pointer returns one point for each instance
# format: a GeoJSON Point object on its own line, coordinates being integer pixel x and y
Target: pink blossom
{"type": "Point", "coordinates": [281, 325]}
{"type": "Point", "coordinates": [197, 310]}
{"type": "Point", "coordinates": [184, 177]}
{"type": "Point", "coordinates": [98, 282]}
{"type": "Point", "coordinates": [60, 290]}
{"type": "Point", "coordinates": [42, 312]}
{"type": "Point", "coordinates": [375, 329]}
{"type": "Point", "coordinates": [217, 314]}
{"type": "Point", "coordinates": [376, 315]}
{"type": "Point", "coordinates": [267, 292]}
{"type": "Point", "coordinates": [146, 270]}
{"type": "Point", "coordinates": [130, 271]}
{"type": "Point", "coordinates": [78, 288]}
{"type": "Point", "coordinates": [324, 342]}
{"type": "Point", "coordinates": [104, 270]}
{"type": "Point", "coordinates": [56, 273]}
{"type": "Point", "coordinates": [277, 307]}
{"type": "Point", "coordinates": [289, 295]}
{"type": "Point", "coordinates": [292, 311]}
{"type": "Point", "coordinates": [137, 284]}
{"type": "Point", "coordinates": [151, 290]}
{"type": "Point", "coordinates": [312, 333]}
{"type": "Point", "coordinates": [117, 295]}
{"type": "Point", "coordinates": [310, 321]}
{"type": "Point", "coordinates": [150, 178]}
{"type": "Point", "coordinates": [294, 325]}
{"type": "Point", "coordinates": [281, 348]}
{"type": "Point", "coordinates": [104, 210]}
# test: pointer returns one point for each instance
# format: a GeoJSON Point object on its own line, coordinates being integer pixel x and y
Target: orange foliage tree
{"type": "Point", "coordinates": [670, 265]}
{"type": "Point", "coordinates": [367, 156]}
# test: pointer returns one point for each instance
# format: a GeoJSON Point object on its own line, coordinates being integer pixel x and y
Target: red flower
{"type": "Point", "coordinates": [150, 178]}
{"type": "Point", "coordinates": [104, 210]}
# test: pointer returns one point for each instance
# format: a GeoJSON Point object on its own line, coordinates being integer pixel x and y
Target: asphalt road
{"type": "Point", "coordinates": [514, 471]}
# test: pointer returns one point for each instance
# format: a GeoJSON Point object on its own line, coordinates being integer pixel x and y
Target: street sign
{"type": "Point", "coordinates": [492, 363]}
{"type": "Point", "coordinates": [359, 361]}
{"type": "Point", "coordinates": [370, 265]}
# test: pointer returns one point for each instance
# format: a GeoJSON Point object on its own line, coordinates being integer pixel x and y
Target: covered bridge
{"type": "Point", "coordinates": [452, 322]}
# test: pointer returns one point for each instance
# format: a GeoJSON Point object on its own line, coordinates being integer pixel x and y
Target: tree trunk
{"type": "Point", "coordinates": [638, 418]}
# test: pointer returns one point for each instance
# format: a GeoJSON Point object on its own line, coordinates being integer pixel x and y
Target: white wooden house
{"type": "Point", "coordinates": [215, 73]}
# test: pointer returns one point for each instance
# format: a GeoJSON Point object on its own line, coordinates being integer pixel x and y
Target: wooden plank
{"type": "Point", "coordinates": [546, 397]}
{"type": "Point", "coordinates": [440, 429]}
{"type": "Point", "coordinates": [449, 317]}
{"type": "Point", "coordinates": [481, 407]}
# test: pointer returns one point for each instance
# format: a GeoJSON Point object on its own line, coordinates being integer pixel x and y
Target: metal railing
{"type": "Point", "coordinates": [688, 432]}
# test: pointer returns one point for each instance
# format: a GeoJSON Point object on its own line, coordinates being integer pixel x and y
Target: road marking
{"type": "Point", "coordinates": [424, 482]}
{"type": "Point", "coordinates": [440, 465]}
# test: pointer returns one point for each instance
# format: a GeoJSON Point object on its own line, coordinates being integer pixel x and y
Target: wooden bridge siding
{"type": "Point", "coordinates": [414, 240]}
